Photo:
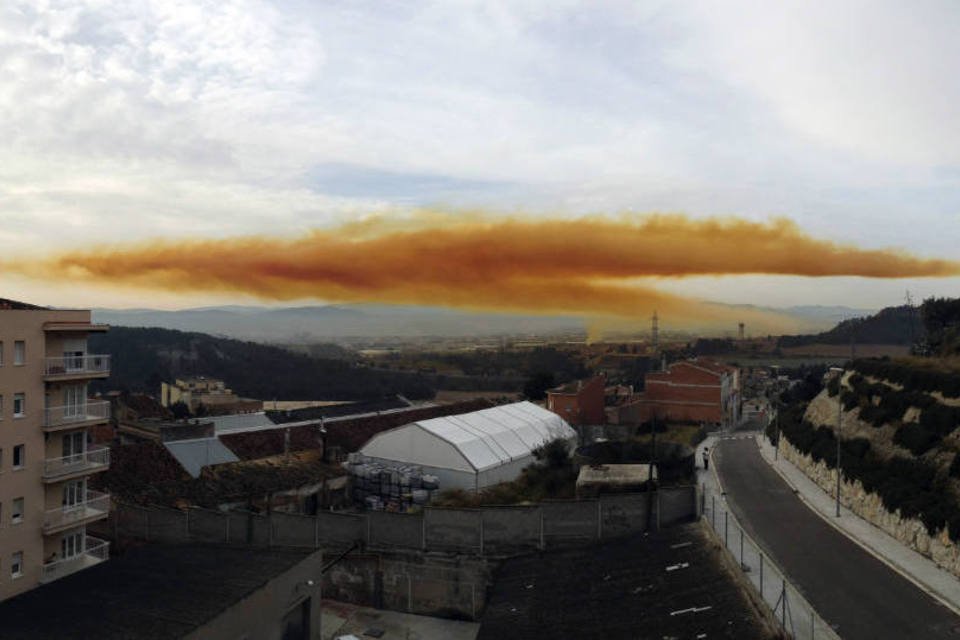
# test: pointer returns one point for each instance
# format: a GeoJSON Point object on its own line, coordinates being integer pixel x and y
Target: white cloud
{"type": "Point", "coordinates": [131, 119]}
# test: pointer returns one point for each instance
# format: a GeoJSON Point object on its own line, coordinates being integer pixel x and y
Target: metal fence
{"type": "Point", "coordinates": [792, 611]}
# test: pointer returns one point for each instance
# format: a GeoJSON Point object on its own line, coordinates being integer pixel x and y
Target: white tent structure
{"type": "Point", "coordinates": [472, 450]}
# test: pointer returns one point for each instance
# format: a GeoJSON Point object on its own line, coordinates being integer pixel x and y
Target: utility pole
{"type": "Point", "coordinates": [839, 373]}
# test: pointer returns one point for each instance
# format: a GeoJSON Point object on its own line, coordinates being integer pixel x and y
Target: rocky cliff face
{"type": "Point", "coordinates": [868, 506]}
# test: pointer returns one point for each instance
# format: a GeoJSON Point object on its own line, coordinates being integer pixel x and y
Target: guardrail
{"type": "Point", "coordinates": [93, 410]}
{"type": "Point", "coordinates": [796, 615]}
{"type": "Point", "coordinates": [95, 505]}
{"type": "Point", "coordinates": [93, 459]}
{"type": "Point", "coordinates": [76, 365]}
{"type": "Point", "coordinates": [95, 551]}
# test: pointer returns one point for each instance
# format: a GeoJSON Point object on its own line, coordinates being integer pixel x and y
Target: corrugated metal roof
{"type": "Point", "coordinates": [241, 422]}
{"type": "Point", "coordinates": [491, 437]}
{"type": "Point", "coordinates": [194, 455]}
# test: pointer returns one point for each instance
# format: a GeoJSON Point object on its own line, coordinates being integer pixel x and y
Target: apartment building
{"type": "Point", "coordinates": [579, 402]}
{"type": "Point", "coordinates": [46, 458]}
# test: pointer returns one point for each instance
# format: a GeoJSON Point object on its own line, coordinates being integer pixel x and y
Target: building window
{"type": "Point", "coordinates": [19, 405]}
{"type": "Point", "coordinates": [16, 565]}
{"type": "Point", "coordinates": [19, 352]}
{"type": "Point", "coordinates": [19, 456]}
{"type": "Point", "coordinates": [16, 513]}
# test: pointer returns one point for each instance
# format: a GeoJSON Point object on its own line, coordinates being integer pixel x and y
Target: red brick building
{"type": "Point", "coordinates": [580, 402]}
{"type": "Point", "coordinates": [698, 390]}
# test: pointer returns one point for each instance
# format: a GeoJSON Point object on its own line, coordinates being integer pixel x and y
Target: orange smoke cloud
{"type": "Point", "coordinates": [518, 264]}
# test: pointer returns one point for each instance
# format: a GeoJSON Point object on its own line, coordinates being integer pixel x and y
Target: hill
{"type": "Point", "coordinates": [892, 325]}
{"type": "Point", "coordinates": [143, 358]}
{"type": "Point", "coordinates": [337, 322]}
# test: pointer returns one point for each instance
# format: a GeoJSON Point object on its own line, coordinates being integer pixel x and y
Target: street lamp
{"type": "Point", "coordinates": [838, 371]}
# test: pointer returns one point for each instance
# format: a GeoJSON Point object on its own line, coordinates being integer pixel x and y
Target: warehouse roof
{"type": "Point", "coordinates": [156, 592]}
{"type": "Point", "coordinates": [194, 455]}
{"type": "Point", "coordinates": [497, 435]}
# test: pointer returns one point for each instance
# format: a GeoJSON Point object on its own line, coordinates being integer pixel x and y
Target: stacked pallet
{"type": "Point", "coordinates": [383, 487]}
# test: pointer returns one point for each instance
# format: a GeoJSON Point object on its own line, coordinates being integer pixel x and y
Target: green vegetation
{"type": "Point", "coordinates": [911, 486]}
{"type": "Point", "coordinates": [143, 358]}
{"type": "Point", "coordinates": [913, 374]}
{"type": "Point", "coordinates": [537, 386]}
{"type": "Point", "coordinates": [941, 321]}
{"type": "Point", "coordinates": [893, 325]}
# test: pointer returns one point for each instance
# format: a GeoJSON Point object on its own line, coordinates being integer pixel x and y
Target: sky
{"type": "Point", "coordinates": [126, 120]}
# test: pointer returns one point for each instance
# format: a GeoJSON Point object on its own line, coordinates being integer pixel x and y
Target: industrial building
{"type": "Point", "coordinates": [473, 450]}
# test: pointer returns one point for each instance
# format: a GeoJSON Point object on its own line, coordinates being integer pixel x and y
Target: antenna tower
{"type": "Point", "coordinates": [655, 332]}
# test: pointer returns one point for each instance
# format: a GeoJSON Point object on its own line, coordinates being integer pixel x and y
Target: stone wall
{"type": "Point", "coordinates": [939, 548]}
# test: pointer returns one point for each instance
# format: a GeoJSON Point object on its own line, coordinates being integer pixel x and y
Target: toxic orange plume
{"type": "Point", "coordinates": [579, 266]}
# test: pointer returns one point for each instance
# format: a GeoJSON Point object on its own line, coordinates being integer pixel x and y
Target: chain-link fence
{"type": "Point", "coordinates": [795, 615]}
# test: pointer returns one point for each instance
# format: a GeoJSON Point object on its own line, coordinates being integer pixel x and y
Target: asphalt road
{"type": "Point", "coordinates": [861, 597]}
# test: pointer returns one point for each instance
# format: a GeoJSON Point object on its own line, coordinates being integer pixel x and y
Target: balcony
{"type": "Point", "coordinates": [95, 552]}
{"type": "Point", "coordinates": [76, 416]}
{"type": "Point", "coordinates": [92, 460]}
{"type": "Point", "coordinates": [95, 506]}
{"type": "Point", "coordinates": [76, 367]}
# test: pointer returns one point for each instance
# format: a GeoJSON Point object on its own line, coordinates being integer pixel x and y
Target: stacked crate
{"type": "Point", "coordinates": [383, 487]}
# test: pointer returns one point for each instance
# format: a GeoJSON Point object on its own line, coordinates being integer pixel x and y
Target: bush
{"type": "Point", "coordinates": [910, 486]}
{"type": "Point", "coordinates": [833, 386]}
{"type": "Point", "coordinates": [915, 438]}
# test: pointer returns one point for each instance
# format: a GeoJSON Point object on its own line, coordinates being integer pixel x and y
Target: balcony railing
{"type": "Point", "coordinates": [96, 505]}
{"type": "Point", "coordinates": [77, 366]}
{"type": "Point", "coordinates": [95, 551]}
{"type": "Point", "coordinates": [65, 417]}
{"type": "Point", "coordinates": [93, 459]}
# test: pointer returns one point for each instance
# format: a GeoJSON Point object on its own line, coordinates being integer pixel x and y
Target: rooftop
{"type": "Point", "coordinates": [621, 589]}
{"type": "Point", "coordinates": [144, 594]}
{"type": "Point", "coordinates": [615, 474]}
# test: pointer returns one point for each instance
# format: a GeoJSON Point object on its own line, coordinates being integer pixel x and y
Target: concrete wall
{"type": "Point", "coordinates": [484, 531]}
{"type": "Point", "coordinates": [453, 529]}
{"type": "Point", "coordinates": [395, 529]}
{"type": "Point", "coordinates": [625, 514]}
{"type": "Point", "coordinates": [572, 521]}
{"type": "Point", "coordinates": [511, 529]}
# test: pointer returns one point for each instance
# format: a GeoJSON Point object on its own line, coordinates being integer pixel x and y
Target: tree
{"type": "Point", "coordinates": [180, 410]}
{"type": "Point", "coordinates": [537, 386]}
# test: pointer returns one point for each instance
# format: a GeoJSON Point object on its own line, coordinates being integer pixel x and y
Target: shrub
{"type": "Point", "coordinates": [917, 439]}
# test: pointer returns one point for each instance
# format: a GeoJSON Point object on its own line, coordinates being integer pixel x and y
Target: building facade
{"type": "Point", "coordinates": [211, 393]}
{"type": "Point", "coordinates": [698, 390]}
{"type": "Point", "coordinates": [46, 457]}
{"type": "Point", "coordinates": [579, 403]}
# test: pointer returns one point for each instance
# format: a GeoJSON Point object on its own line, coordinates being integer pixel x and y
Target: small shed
{"type": "Point", "coordinates": [613, 478]}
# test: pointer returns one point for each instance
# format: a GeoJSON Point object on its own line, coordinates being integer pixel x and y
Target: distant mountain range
{"type": "Point", "coordinates": [339, 322]}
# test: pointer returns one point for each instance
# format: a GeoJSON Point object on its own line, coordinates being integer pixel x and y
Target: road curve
{"type": "Point", "coordinates": [859, 595]}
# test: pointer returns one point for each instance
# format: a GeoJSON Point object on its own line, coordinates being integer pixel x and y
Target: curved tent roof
{"type": "Point", "coordinates": [495, 436]}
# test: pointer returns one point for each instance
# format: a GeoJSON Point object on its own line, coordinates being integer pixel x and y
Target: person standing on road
{"type": "Point", "coordinates": [706, 458]}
